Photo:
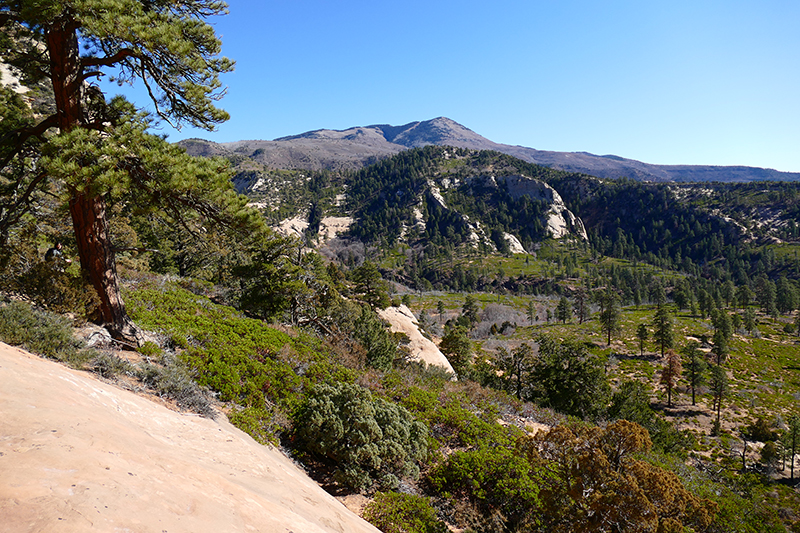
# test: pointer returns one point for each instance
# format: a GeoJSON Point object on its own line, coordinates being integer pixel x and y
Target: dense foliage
{"type": "Point", "coordinates": [366, 440]}
{"type": "Point", "coordinates": [393, 512]}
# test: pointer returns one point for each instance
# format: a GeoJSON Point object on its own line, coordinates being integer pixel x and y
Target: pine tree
{"type": "Point", "coordinates": [695, 366]}
{"type": "Point", "coordinates": [516, 367]}
{"type": "Point", "coordinates": [662, 329]}
{"type": "Point", "coordinates": [98, 153]}
{"type": "Point", "coordinates": [581, 305]}
{"type": "Point", "coordinates": [743, 296]}
{"type": "Point", "coordinates": [792, 438]}
{"type": "Point", "coordinates": [670, 374]}
{"type": "Point", "coordinates": [750, 320]}
{"type": "Point", "coordinates": [457, 348]}
{"type": "Point", "coordinates": [728, 292]}
{"type": "Point", "coordinates": [641, 334]}
{"type": "Point", "coordinates": [786, 296]}
{"type": "Point", "coordinates": [563, 310]}
{"type": "Point", "coordinates": [720, 346]}
{"type": "Point", "coordinates": [766, 293]}
{"type": "Point", "coordinates": [719, 388]}
{"type": "Point", "coordinates": [370, 285]}
{"type": "Point", "coordinates": [610, 315]}
{"type": "Point", "coordinates": [470, 311]}
{"type": "Point", "coordinates": [531, 312]}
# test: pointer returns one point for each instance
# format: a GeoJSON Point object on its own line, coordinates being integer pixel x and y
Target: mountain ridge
{"type": "Point", "coordinates": [359, 146]}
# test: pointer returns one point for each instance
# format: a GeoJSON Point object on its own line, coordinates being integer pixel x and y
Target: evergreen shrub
{"type": "Point", "coordinates": [109, 365]}
{"type": "Point", "coordinates": [490, 477]}
{"type": "Point", "coordinates": [235, 356]}
{"type": "Point", "coordinates": [394, 512]}
{"type": "Point", "coordinates": [263, 424]}
{"type": "Point", "coordinates": [367, 440]}
{"type": "Point", "coordinates": [60, 290]}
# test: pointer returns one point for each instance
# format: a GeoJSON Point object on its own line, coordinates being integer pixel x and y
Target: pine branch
{"type": "Point", "coordinates": [108, 61]}
{"type": "Point", "coordinates": [22, 200]}
{"type": "Point", "coordinates": [22, 135]}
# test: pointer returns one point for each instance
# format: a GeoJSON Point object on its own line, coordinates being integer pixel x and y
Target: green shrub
{"type": "Point", "coordinates": [150, 349]}
{"type": "Point", "coordinates": [57, 289]}
{"type": "Point", "coordinates": [238, 357]}
{"type": "Point", "coordinates": [458, 422]}
{"type": "Point", "coordinates": [40, 332]}
{"type": "Point", "coordinates": [632, 403]}
{"type": "Point", "coordinates": [490, 478]}
{"type": "Point", "coordinates": [374, 336]}
{"type": "Point", "coordinates": [366, 440]}
{"type": "Point", "coordinates": [262, 424]}
{"type": "Point", "coordinates": [392, 512]}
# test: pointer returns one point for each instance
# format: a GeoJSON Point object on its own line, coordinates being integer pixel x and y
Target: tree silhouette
{"type": "Point", "coordinates": [641, 334]}
{"type": "Point", "coordinates": [719, 388]}
{"type": "Point", "coordinates": [563, 310]}
{"type": "Point", "coordinates": [610, 316]}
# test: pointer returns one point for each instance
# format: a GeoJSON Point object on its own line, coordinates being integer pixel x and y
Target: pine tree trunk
{"type": "Point", "coordinates": [97, 260]}
{"type": "Point", "coordinates": [66, 71]}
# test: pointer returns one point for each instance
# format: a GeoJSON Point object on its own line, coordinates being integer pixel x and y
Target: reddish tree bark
{"type": "Point", "coordinates": [98, 262]}
{"type": "Point", "coordinates": [65, 69]}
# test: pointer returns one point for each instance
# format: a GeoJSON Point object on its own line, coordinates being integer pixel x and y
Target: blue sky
{"type": "Point", "coordinates": [677, 82]}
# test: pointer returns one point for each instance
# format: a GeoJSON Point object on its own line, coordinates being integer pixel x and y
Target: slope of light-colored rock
{"type": "Point", "coordinates": [80, 455]}
{"type": "Point", "coordinates": [421, 348]}
{"type": "Point", "coordinates": [560, 220]}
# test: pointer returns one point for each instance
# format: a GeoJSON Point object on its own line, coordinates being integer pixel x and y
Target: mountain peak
{"type": "Point", "coordinates": [358, 146]}
{"type": "Point", "coordinates": [439, 131]}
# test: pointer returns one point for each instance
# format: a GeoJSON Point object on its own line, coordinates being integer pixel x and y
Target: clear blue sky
{"type": "Point", "coordinates": [667, 82]}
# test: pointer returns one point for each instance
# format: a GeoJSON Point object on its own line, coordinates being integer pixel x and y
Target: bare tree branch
{"type": "Point", "coordinates": [108, 61]}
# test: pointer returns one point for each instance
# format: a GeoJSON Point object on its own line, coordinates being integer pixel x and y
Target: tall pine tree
{"type": "Point", "coordinates": [97, 154]}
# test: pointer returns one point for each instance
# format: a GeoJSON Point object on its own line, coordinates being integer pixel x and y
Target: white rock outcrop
{"type": "Point", "coordinates": [560, 220]}
{"type": "Point", "coordinates": [513, 244]}
{"type": "Point", "coordinates": [421, 349]}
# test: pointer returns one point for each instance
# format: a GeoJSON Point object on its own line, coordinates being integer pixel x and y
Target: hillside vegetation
{"type": "Point", "coordinates": [562, 350]}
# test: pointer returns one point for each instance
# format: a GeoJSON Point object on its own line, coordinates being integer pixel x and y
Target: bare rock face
{"type": "Point", "coordinates": [422, 349]}
{"type": "Point", "coordinates": [80, 455]}
{"type": "Point", "coordinates": [560, 220]}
